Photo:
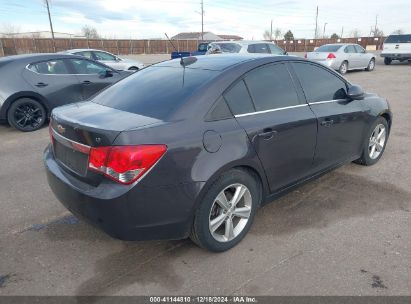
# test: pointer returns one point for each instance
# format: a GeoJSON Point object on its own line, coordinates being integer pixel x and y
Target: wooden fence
{"type": "Point", "coordinates": [13, 46]}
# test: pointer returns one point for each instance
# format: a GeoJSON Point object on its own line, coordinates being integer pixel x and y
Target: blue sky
{"type": "Point", "coordinates": [249, 19]}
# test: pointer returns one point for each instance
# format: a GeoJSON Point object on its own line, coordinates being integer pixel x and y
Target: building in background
{"type": "Point", "coordinates": [40, 34]}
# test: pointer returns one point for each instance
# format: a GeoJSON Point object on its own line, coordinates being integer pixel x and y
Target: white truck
{"type": "Point", "coordinates": [397, 47]}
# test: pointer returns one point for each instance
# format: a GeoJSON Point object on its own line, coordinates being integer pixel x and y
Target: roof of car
{"type": "Point", "coordinates": [244, 42]}
{"type": "Point", "coordinates": [216, 62]}
{"type": "Point", "coordinates": [82, 50]}
{"type": "Point", "coordinates": [36, 56]}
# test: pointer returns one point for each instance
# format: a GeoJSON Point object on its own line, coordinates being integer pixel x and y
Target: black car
{"type": "Point", "coordinates": [32, 85]}
{"type": "Point", "coordinates": [193, 147]}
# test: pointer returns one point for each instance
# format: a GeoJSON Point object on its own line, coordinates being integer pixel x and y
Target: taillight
{"type": "Point", "coordinates": [305, 55]}
{"type": "Point", "coordinates": [51, 134]}
{"type": "Point", "coordinates": [125, 164]}
{"type": "Point", "coordinates": [331, 56]}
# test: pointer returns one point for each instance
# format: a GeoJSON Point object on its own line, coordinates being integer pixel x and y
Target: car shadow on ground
{"type": "Point", "coordinates": [335, 197]}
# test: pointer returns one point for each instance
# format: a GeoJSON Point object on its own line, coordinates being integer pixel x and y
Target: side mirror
{"type": "Point", "coordinates": [106, 73]}
{"type": "Point", "coordinates": [118, 58]}
{"type": "Point", "coordinates": [355, 92]}
{"type": "Point", "coordinates": [285, 53]}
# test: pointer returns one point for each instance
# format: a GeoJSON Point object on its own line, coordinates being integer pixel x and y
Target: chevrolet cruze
{"type": "Point", "coordinates": [193, 147]}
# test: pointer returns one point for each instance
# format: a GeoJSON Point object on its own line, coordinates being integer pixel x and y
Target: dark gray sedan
{"type": "Point", "coordinates": [193, 147]}
{"type": "Point", "coordinates": [32, 85]}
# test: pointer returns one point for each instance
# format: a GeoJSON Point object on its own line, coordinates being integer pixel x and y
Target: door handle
{"type": "Point", "coordinates": [86, 82]}
{"type": "Point", "coordinates": [267, 134]}
{"type": "Point", "coordinates": [41, 84]}
{"type": "Point", "coordinates": [327, 123]}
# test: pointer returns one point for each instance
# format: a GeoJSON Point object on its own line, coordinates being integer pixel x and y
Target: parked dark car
{"type": "Point", "coordinates": [201, 50]}
{"type": "Point", "coordinates": [32, 85]}
{"type": "Point", "coordinates": [193, 147]}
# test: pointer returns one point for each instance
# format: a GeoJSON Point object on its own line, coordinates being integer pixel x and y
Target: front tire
{"type": "Point", "coordinates": [371, 65]}
{"type": "Point", "coordinates": [343, 68]}
{"type": "Point", "coordinates": [26, 115]}
{"type": "Point", "coordinates": [387, 61]}
{"type": "Point", "coordinates": [226, 211]}
{"type": "Point", "coordinates": [375, 142]}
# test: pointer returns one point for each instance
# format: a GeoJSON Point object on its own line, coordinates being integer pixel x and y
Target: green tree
{"type": "Point", "coordinates": [289, 35]}
{"type": "Point", "coordinates": [335, 36]}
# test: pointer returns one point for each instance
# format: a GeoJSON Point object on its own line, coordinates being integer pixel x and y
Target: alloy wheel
{"type": "Point", "coordinates": [28, 116]}
{"type": "Point", "coordinates": [377, 141]}
{"type": "Point", "coordinates": [230, 212]}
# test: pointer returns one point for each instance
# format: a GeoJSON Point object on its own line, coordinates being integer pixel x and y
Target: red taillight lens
{"type": "Point", "coordinates": [125, 164]}
{"type": "Point", "coordinates": [331, 56]}
{"type": "Point", "coordinates": [51, 134]}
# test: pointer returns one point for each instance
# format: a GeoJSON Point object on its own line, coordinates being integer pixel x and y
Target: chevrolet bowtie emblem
{"type": "Point", "coordinates": [61, 129]}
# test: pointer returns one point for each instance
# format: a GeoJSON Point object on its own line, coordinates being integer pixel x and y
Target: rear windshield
{"type": "Point", "coordinates": [398, 39]}
{"type": "Point", "coordinates": [154, 91]}
{"type": "Point", "coordinates": [328, 48]}
{"type": "Point", "coordinates": [229, 47]}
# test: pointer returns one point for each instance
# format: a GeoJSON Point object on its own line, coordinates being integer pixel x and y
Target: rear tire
{"type": "Point", "coordinates": [26, 115]}
{"type": "Point", "coordinates": [387, 61]}
{"type": "Point", "coordinates": [217, 228]}
{"type": "Point", "coordinates": [371, 65]}
{"type": "Point", "coordinates": [343, 68]}
{"type": "Point", "coordinates": [375, 143]}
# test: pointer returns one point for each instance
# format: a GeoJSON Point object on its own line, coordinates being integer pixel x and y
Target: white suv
{"type": "Point", "coordinates": [397, 47]}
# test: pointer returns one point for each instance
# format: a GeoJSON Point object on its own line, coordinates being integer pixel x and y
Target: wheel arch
{"type": "Point", "coordinates": [24, 94]}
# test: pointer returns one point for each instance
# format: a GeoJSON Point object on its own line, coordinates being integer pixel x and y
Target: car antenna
{"type": "Point", "coordinates": [175, 49]}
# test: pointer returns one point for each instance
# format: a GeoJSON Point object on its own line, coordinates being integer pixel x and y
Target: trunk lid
{"type": "Point", "coordinates": [318, 56]}
{"type": "Point", "coordinates": [77, 127]}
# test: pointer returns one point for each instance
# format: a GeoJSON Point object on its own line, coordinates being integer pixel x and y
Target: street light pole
{"type": "Point", "coordinates": [325, 24]}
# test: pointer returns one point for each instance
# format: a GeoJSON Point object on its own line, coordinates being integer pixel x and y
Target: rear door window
{"type": "Point", "coordinates": [350, 49]}
{"type": "Point", "coordinates": [238, 99]}
{"type": "Point", "coordinates": [319, 84]}
{"type": "Point", "coordinates": [52, 67]}
{"type": "Point", "coordinates": [275, 49]}
{"type": "Point", "coordinates": [271, 87]}
{"type": "Point", "coordinates": [359, 49]}
{"type": "Point", "coordinates": [258, 48]}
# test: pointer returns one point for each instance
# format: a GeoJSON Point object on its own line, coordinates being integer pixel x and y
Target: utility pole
{"type": "Point", "coordinates": [316, 24]}
{"type": "Point", "coordinates": [342, 32]}
{"type": "Point", "coordinates": [325, 24]}
{"type": "Point", "coordinates": [202, 20]}
{"type": "Point", "coordinates": [271, 32]}
{"type": "Point", "coordinates": [51, 23]}
{"type": "Point", "coordinates": [375, 28]}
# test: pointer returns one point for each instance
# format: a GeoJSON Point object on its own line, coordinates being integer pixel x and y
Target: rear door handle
{"type": "Point", "coordinates": [41, 84]}
{"type": "Point", "coordinates": [86, 82]}
{"type": "Point", "coordinates": [327, 122]}
{"type": "Point", "coordinates": [267, 134]}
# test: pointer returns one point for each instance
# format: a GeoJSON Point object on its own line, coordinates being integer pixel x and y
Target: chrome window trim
{"type": "Point", "coordinates": [271, 110]}
{"type": "Point", "coordinates": [68, 142]}
{"type": "Point", "coordinates": [325, 101]}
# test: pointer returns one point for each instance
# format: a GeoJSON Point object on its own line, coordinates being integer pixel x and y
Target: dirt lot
{"type": "Point", "coordinates": [348, 233]}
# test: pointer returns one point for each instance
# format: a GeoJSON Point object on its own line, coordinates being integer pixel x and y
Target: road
{"type": "Point", "coordinates": [347, 233]}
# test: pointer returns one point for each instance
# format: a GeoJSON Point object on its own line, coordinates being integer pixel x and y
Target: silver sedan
{"type": "Point", "coordinates": [343, 57]}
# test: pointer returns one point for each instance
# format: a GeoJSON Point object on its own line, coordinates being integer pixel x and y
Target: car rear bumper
{"type": "Point", "coordinates": [396, 55]}
{"type": "Point", "coordinates": [126, 212]}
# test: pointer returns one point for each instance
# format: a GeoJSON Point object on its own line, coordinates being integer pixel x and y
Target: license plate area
{"type": "Point", "coordinates": [70, 158]}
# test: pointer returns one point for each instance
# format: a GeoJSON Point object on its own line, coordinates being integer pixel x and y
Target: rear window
{"type": "Point", "coordinates": [328, 48]}
{"type": "Point", "coordinates": [398, 39]}
{"type": "Point", "coordinates": [229, 47]}
{"type": "Point", "coordinates": [154, 91]}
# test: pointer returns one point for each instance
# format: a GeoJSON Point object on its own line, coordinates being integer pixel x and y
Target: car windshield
{"type": "Point", "coordinates": [398, 39]}
{"type": "Point", "coordinates": [228, 47]}
{"type": "Point", "coordinates": [155, 91]}
{"type": "Point", "coordinates": [328, 48]}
